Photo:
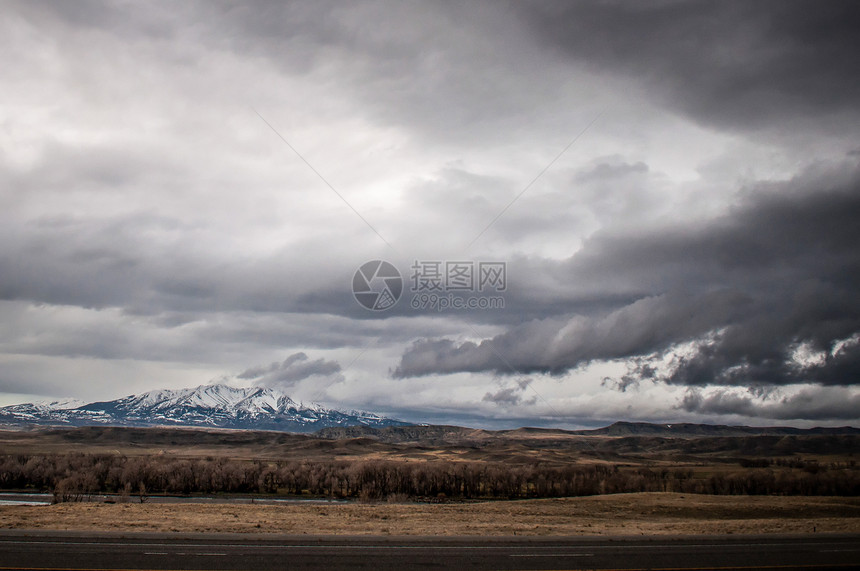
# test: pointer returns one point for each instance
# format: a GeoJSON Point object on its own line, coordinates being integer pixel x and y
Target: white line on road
{"type": "Point", "coordinates": [182, 553]}
{"type": "Point", "coordinates": [552, 555]}
{"type": "Point", "coordinates": [836, 550]}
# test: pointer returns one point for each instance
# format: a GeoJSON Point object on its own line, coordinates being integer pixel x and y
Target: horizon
{"type": "Point", "coordinates": [483, 214]}
{"type": "Point", "coordinates": [504, 426]}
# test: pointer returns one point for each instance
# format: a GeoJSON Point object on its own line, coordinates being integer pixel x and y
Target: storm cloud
{"type": "Point", "coordinates": [780, 272]}
{"type": "Point", "coordinates": [742, 65]}
{"type": "Point", "coordinates": [810, 403]}
{"type": "Point", "coordinates": [179, 188]}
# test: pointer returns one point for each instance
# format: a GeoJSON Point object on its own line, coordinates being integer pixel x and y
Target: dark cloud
{"type": "Point", "coordinates": [809, 404]}
{"type": "Point", "coordinates": [737, 64]}
{"type": "Point", "coordinates": [510, 395]}
{"type": "Point", "coordinates": [555, 345]}
{"type": "Point", "coordinates": [295, 368]}
{"type": "Point", "coordinates": [746, 289]}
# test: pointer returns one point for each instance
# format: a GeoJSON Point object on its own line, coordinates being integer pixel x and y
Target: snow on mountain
{"type": "Point", "coordinates": [61, 404]}
{"type": "Point", "coordinates": [35, 408]}
{"type": "Point", "coordinates": [207, 405]}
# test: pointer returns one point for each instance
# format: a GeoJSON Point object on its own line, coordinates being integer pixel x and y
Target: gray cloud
{"type": "Point", "coordinates": [733, 64]}
{"type": "Point", "coordinates": [610, 171]}
{"type": "Point", "coordinates": [295, 368]}
{"type": "Point", "coordinates": [809, 404]}
{"type": "Point", "coordinates": [747, 288]}
{"type": "Point", "coordinates": [510, 395]}
{"type": "Point", "coordinates": [152, 227]}
{"type": "Point", "coordinates": [555, 345]}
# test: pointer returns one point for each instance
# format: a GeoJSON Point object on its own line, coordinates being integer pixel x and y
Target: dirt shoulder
{"type": "Point", "coordinates": [622, 514]}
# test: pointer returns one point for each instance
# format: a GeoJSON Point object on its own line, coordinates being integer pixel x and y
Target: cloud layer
{"type": "Point", "coordinates": [779, 272]}
{"type": "Point", "coordinates": [688, 257]}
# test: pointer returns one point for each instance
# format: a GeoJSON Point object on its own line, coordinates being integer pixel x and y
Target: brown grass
{"type": "Point", "coordinates": [646, 513]}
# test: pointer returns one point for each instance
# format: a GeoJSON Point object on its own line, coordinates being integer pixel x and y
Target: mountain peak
{"type": "Point", "coordinates": [213, 405]}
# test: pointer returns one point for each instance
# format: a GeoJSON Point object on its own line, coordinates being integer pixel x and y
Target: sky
{"type": "Point", "coordinates": [668, 192]}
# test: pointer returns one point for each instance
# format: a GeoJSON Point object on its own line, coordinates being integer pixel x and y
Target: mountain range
{"type": "Point", "coordinates": [260, 408]}
{"type": "Point", "coordinates": [212, 406]}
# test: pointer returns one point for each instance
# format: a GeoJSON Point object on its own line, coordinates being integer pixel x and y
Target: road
{"type": "Point", "coordinates": [78, 550]}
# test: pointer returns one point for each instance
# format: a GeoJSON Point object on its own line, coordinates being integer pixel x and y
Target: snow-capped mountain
{"type": "Point", "coordinates": [221, 406]}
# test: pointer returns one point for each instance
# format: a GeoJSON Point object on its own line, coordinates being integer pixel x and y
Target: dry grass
{"type": "Point", "coordinates": [647, 513]}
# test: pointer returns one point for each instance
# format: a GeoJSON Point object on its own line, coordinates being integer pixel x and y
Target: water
{"type": "Point", "coordinates": [34, 499]}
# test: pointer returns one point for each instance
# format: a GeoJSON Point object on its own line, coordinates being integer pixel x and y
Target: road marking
{"type": "Point", "coordinates": [551, 555]}
{"type": "Point", "coordinates": [182, 553]}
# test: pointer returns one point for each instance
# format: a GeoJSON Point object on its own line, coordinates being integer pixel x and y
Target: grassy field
{"type": "Point", "coordinates": [625, 514]}
{"type": "Point", "coordinates": [786, 471]}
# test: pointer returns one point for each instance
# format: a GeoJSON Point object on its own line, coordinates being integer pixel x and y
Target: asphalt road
{"type": "Point", "coordinates": [76, 550]}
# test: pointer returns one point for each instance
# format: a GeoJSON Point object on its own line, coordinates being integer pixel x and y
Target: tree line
{"type": "Point", "coordinates": [77, 476]}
